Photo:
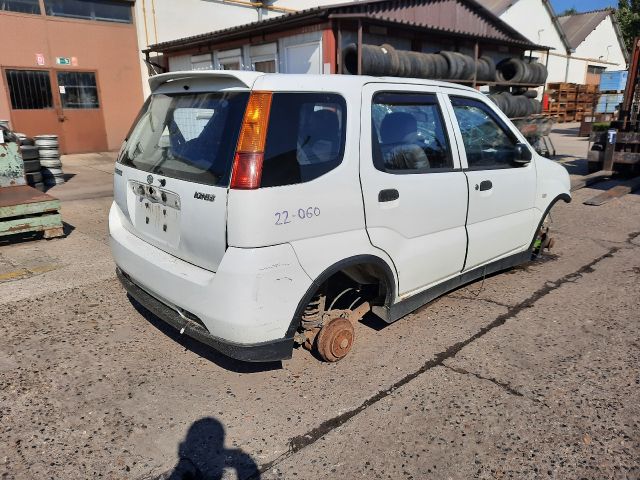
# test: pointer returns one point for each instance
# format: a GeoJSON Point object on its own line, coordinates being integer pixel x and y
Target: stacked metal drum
{"type": "Point", "coordinates": [31, 158]}
{"type": "Point", "coordinates": [50, 159]}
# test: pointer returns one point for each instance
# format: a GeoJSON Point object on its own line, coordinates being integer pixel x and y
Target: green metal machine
{"type": "Point", "coordinates": [22, 208]}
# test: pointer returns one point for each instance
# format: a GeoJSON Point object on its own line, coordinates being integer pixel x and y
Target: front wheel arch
{"type": "Point", "coordinates": [563, 196]}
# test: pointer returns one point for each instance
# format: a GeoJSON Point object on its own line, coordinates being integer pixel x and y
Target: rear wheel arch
{"type": "Point", "coordinates": [372, 264]}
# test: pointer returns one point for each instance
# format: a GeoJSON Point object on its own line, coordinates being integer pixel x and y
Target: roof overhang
{"type": "Point", "coordinates": [393, 13]}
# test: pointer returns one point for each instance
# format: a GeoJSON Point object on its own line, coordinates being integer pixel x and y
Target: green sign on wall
{"type": "Point", "coordinates": [63, 60]}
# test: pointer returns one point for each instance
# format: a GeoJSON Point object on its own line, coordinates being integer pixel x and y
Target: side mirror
{"type": "Point", "coordinates": [522, 155]}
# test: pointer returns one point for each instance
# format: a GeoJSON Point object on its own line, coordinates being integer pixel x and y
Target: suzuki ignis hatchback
{"type": "Point", "coordinates": [257, 211]}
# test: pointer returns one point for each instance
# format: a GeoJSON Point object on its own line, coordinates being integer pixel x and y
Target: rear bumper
{"type": "Point", "coordinates": [270, 351]}
{"type": "Point", "coordinates": [248, 304]}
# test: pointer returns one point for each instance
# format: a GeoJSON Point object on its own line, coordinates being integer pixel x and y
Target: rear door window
{"type": "Point", "coordinates": [408, 134]}
{"type": "Point", "coordinates": [305, 138]}
{"type": "Point", "coordinates": [187, 136]}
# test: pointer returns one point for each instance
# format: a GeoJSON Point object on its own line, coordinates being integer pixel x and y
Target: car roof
{"type": "Point", "coordinates": [295, 82]}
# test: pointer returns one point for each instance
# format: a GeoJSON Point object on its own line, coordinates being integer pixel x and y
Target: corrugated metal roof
{"type": "Point", "coordinates": [497, 7]}
{"type": "Point", "coordinates": [578, 27]}
{"type": "Point", "coordinates": [463, 17]}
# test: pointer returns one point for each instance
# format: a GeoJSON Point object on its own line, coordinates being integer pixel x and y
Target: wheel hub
{"type": "Point", "coordinates": [335, 339]}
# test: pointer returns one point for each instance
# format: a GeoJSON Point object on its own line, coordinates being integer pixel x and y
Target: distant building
{"type": "Point", "coordinates": [314, 40]}
{"type": "Point", "coordinates": [583, 45]}
{"type": "Point", "coordinates": [596, 45]}
{"type": "Point", "coordinates": [70, 67]}
{"type": "Point", "coordinates": [161, 21]}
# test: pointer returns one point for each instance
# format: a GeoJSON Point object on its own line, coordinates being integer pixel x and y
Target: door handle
{"type": "Point", "coordinates": [388, 195]}
{"type": "Point", "coordinates": [484, 185]}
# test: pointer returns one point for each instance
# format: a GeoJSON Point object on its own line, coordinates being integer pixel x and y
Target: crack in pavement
{"type": "Point", "coordinates": [505, 386]}
{"type": "Point", "coordinates": [300, 442]}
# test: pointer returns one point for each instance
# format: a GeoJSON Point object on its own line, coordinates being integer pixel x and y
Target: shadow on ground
{"type": "Point", "coordinates": [202, 350]}
{"type": "Point", "coordinates": [203, 456]}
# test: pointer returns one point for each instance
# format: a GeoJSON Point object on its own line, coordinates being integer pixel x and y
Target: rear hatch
{"type": "Point", "coordinates": [175, 165]}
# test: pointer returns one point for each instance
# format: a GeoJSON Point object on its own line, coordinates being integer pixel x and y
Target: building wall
{"type": "Point", "coordinates": [532, 19]}
{"type": "Point", "coordinates": [110, 49]}
{"type": "Point", "coordinates": [164, 20]}
{"type": "Point", "coordinates": [594, 47]}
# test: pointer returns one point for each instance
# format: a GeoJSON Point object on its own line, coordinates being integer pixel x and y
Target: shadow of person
{"type": "Point", "coordinates": [203, 456]}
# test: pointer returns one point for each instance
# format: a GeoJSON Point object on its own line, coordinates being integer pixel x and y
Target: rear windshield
{"type": "Point", "coordinates": [189, 136]}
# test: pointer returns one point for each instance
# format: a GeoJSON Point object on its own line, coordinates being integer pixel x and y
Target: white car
{"type": "Point", "coordinates": [255, 211]}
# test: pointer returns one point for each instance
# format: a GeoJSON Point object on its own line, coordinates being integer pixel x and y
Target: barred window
{"type": "Point", "coordinates": [29, 89]}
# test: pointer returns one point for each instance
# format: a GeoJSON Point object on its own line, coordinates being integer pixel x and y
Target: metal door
{"type": "Point", "coordinates": [33, 104]}
{"type": "Point", "coordinates": [80, 112]}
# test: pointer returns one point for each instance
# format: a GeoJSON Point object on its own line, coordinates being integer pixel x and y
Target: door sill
{"type": "Point", "coordinates": [408, 305]}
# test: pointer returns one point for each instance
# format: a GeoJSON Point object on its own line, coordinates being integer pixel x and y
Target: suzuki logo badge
{"type": "Point", "coordinates": [149, 179]}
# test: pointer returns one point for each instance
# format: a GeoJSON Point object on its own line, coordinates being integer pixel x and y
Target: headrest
{"type": "Point", "coordinates": [396, 126]}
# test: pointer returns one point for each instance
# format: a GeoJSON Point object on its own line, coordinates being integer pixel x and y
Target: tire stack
{"type": "Point", "coordinates": [50, 159]}
{"type": "Point", "coordinates": [516, 106]}
{"type": "Point", "coordinates": [516, 70]}
{"type": "Point", "coordinates": [385, 60]}
{"type": "Point", "coordinates": [31, 159]}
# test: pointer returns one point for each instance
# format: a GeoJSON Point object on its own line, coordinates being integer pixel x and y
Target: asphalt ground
{"type": "Point", "coordinates": [530, 373]}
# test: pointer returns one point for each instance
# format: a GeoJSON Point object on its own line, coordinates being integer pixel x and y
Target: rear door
{"type": "Point", "coordinates": [501, 193]}
{"type": "Point", "coordinates": [173, 174]}
{"type": "Point", "coordinates": [415, 194]}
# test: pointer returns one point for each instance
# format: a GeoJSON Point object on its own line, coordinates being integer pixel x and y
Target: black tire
{"type": "Point", "coordinates": [29, 152]}
{"type": "Point", "coordinates": [531, 94]}
{"type": "Point", "coordinates": [391, 60]}
{"type": "Point", "coordinates": [537, 106]}
{"type": "Point", "coordinates": [32, 165]}
{"type": "Point", "coordinates": [420, 66]}
{"type": "Point", "coordinates": [34, 177]}
{"type": "Point", "coordinates": [441, 65]}
{"type": "Point", "coordinates": [511, 70]}
{"type": "Point", "coordinates": [453, 65]}
{"type": "Point", "coordinates": [27, 142]}
{"type": "Point", "coordinates": [490, 69]}
{"type": "Point", "coordinates": [470, 65]}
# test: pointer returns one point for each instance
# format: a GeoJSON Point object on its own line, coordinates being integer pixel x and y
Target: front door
{"type": "Point", "coordinates": [501, 193]}
{"type": "Point", "coordinates": [415, 194]}
{"type": "Point", "coordinates": [81, 117]}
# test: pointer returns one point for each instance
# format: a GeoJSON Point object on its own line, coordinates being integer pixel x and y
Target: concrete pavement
{"type": "Point", "coordinates": [531, 373]}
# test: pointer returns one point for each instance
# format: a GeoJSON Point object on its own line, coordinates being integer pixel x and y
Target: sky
{"type": "Point", "coordinates": [582, 5]}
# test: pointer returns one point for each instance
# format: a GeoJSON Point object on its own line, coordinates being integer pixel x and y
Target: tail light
{"type": "Point", "coordinates": [247, 164]}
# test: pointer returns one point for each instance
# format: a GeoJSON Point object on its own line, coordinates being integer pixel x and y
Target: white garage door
{"type": "Point", "coordinates": [304, 58]}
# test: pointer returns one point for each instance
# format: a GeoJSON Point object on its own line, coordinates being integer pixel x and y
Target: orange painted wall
{"type": "Point", "coordinates": [110, 49]}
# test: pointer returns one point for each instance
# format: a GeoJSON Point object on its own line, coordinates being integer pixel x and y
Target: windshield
{"type": "Point", "coordinates": [189, 136]}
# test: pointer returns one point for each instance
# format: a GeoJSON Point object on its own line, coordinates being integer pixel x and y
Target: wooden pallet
{"type": "Point", "coordinates": [25, 209]}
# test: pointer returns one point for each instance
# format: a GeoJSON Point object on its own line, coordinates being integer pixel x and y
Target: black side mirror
{"type": "Point", "coordinates": [522, 155]}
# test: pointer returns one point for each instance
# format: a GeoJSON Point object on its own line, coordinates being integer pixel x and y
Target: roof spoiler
{"type": "Point", "coordinates": [245, 78]}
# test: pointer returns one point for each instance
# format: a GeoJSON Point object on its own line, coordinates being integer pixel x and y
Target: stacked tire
{"type": "Point", "coordinates": [385, 60]}
{"type": "Point", "coordinates": [516, 106]}
{"type": "Point", "coordinates": [516, 70]}
{"type": "Point", "coordinates": [31, 159]}
{"type": "Point", "coordinates": [49, 153]}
